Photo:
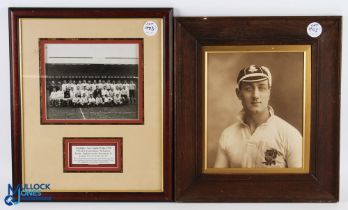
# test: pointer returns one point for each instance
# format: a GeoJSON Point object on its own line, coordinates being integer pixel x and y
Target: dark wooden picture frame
{"type": "Point", "coordinates": [321, 184]}
{"type": "Point", "coordinates": [164, 14]}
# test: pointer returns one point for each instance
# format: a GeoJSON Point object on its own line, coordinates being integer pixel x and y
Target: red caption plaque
{"type": "Point", "coordinates": [92, 154]}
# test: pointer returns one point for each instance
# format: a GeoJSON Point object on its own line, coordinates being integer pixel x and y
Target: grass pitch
{"type": "Point", "coordinates": [129, 111]}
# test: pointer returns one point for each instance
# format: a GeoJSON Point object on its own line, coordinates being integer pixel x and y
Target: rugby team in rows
{"type": "Point", "coordinates": [87, 94]}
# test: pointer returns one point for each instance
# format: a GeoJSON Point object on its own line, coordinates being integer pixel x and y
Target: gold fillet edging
{"type": "Point", "coordinates": [20, 28]}
{"type": "Point", "coordinates": [162, 108]}
{"type": "Point", "coordinates": [20, 24]}
{"type": "Point", "coordinates": [93, 190]}
{"type": "Point", "coordinates": [306, 50]}
{"type": "Point", "coordinates": [307, 106]}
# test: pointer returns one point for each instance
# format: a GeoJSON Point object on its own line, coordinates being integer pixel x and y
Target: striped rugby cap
{"type": "Point", "coordinates": [254, 73]}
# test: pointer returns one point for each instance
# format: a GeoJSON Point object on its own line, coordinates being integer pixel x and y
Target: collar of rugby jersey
{"type": "Point", "coordinates": [241, 115]}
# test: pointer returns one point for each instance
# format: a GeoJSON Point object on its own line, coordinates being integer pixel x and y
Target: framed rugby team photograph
{"type": "Point", "coordinates": [260, 102]}
{"type": "Point", "coordinates": [92, 103]}
{"type": "Point", "coordinates": [91, 81]}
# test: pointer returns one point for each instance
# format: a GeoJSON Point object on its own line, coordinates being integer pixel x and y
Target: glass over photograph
{"type": "Point", "coordinates": [257, 109]}
{"type": "Point", "coordinates": [91, 81]}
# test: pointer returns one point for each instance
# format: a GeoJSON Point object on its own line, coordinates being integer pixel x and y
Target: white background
{"type": "Point", "coordinates": [98, 53]}
{"type": "Point", "coordinates": [181, 8]}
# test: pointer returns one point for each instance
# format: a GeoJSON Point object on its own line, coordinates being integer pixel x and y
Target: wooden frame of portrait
{"type": "Point", "coordinates": [130, 179]}
{"type": "Point", "coordinates": [320, 182]}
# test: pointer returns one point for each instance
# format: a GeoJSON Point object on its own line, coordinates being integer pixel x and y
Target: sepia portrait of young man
{"type": "Point", "coordinates": [256, 109]}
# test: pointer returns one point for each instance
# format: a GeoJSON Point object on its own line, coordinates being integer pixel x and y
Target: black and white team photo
{"type": "Point", "coordinates": [92, 81]}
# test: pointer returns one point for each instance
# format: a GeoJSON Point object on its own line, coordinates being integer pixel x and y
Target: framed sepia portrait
{"type": "Point", "coordinates": [281, 142]}
{"type": "Point", "coordinates": [257, 109]}
{"type": "Point", "coordinates": [92, 103]}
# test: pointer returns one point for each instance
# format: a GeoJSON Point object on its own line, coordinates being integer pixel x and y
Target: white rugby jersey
{"type": "Point", "coordinates": [132, 86]}
{"type": "Point", "coordinates": [53, 95]}
{"type": "Point", "coordinates": [98, 100]}
{"type": "Point", "coordinates": [274, 144]}
{"type": "Point", "coordinates": [64, 86]}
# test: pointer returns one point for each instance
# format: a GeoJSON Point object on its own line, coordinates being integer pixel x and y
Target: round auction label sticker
{"type": "Point", "coordinates": [314, 29]}
{"type": "Point", "coordinates": [150, 28]}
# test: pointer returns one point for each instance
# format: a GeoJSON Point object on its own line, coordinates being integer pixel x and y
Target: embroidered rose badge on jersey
{"type": "Point", "coordinates": [270, 156]}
